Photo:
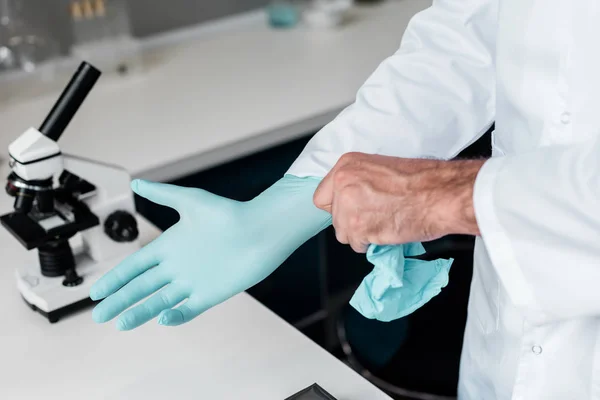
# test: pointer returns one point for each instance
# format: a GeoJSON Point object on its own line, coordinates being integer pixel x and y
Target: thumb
{"type": "Point", "coordinates": [323, 197]}
{"type": "Point", "coordinates": [160, 193]}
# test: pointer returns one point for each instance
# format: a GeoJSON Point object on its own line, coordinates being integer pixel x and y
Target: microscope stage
{"type": "Point", "coordinates": [33, 232]}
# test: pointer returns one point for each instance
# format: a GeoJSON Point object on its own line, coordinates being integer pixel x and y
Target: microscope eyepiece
{"type": "Point", "coordinates": [69, 101]}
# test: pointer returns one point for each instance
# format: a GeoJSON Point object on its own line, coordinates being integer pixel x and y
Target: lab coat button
{"type": "Point", "coordinates": [537, 350]}
{"type": "Point", "coordinates": [565, 117]}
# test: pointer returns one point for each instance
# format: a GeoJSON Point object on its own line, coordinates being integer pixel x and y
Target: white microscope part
{"type": "Point", "coordinates": [63, 199]}
{"type": "Point", "coordinates": [95, 253]}
{"type": "Point", "coordinates": [30, 147]}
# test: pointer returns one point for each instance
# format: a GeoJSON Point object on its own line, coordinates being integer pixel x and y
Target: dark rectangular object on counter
{"type": "Point", "coordinates": [314, 392]}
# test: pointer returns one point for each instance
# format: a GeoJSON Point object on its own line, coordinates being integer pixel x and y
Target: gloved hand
{"type": "Point", "coordinates": [218, 249]}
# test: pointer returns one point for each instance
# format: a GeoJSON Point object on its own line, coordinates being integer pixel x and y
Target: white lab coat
{"type": "Point", "coordinates": [533, 66]}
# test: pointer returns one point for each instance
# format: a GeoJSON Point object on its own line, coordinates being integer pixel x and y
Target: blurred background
{"type": "Point", "coordinates": [41, 41]}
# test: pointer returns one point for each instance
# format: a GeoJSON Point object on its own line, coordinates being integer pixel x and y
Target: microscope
{"type": "Point", "coordinates": [60, 198]}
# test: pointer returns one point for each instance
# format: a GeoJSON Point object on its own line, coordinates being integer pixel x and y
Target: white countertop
{"type": "Point", "coordinates": [228, 93]}
{"type": "Point", "coordinates": [225, 94]}
{"type": "Point", "coordinates": [238, 350]}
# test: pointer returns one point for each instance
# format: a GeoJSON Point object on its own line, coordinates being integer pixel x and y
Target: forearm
{"type": "Point", "coordinates": [288, 209]}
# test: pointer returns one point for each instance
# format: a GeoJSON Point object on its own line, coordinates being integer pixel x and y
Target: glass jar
{"type": "Point", "coordinates": [23, 45]}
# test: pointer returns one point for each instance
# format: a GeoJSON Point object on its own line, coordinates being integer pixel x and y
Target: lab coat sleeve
{"type": "Point", "coordinates": [432, 98]}
{"type": "Point", "coordinates": [539, 217]}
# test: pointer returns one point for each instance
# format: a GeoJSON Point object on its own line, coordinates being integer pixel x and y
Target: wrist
{"type": "Point", "coordinates": [455, 208]}
{"type": "Point", "coordinates": [291, 199]}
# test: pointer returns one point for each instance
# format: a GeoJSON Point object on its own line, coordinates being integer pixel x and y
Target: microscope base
{"type": "Point", "coordinates": [54, 316]}
{"type": "Point", "coordinates": [50, 297]}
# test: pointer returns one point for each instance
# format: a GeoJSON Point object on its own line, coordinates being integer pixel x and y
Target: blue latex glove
{"type": "Point", "coordinates": [398, 286]}
{"type": "Point", "coordinates": [218, 249]}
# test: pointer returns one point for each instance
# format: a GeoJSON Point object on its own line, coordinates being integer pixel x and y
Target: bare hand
{"type": "Point", "coordinates": [387, 200]}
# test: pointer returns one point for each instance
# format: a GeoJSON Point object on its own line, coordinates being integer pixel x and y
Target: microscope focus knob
{"type": "Point", "coordinates": [121, 226]}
